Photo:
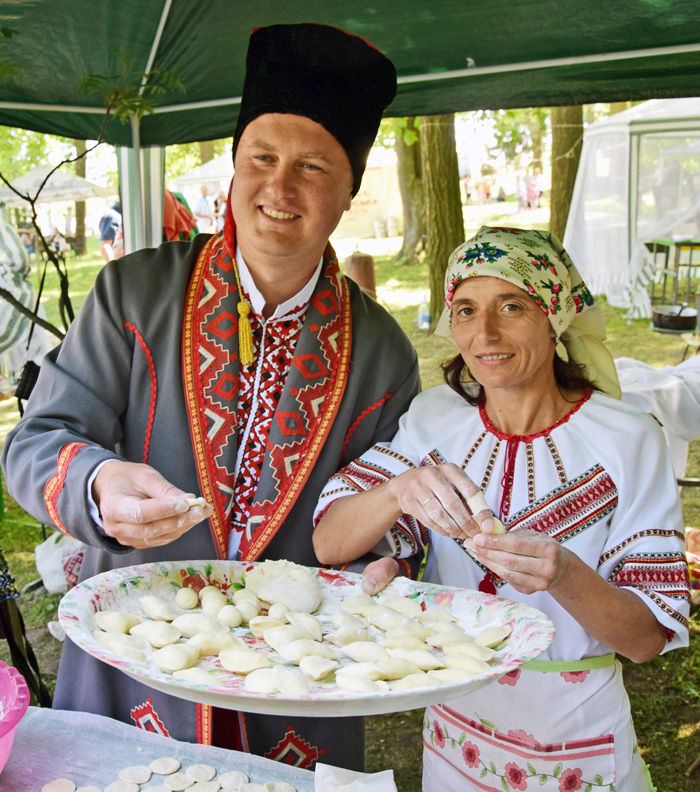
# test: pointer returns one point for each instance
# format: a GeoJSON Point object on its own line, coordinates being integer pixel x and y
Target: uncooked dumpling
{"type": "Point", "coordinates": [421, 679]}
{"type": "Point", "coordinates": [308, 622]}
{"type": "Point", "coordinates": [293, 585]}
{"type": "Point", "coordinates": [116, 621]}
{"type": "Point", "coordinates": [276, 637]}
{"type": "Point", "coordinates": [405, 605]}
{"type": "Point", "coordinates": [242, 661]}
{"type": "Point", "coordinates": [157, 608]}
{"type": "Point", "coordinates": [176, 657]}
{"type": "Point", "coordinates": [121, 644]}
{"type": "Point", "coordinates": [190, 624]}
{"type": "Point", "coordinates": [157, 633]}
{"type": "Point", "coordinates": [196, 675]}
{"type": "Point", "coordinates": [316, 667]}
{"type": "Point", "coordinates": [295, 650]}
{"type": "Point", "coordinates": [186, 598]}
{"type": "Point", "coordinates": [290, 681]}
{"type": "Point", "coordinates": [493, 636]}
{"type": "Point", "coordinates": [261, 680]}
{"type": "Point", "coordinates": [365, 651]}
{"type": "Point", "coordinates": [211, 644]}
{"type": "Point", "coordinates": [230, 616]}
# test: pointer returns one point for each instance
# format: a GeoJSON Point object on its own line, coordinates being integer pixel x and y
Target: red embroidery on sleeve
{"type": "Point", "coordinates": [55, 484]}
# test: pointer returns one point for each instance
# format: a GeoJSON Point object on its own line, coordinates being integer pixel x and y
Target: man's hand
{"type": "Point", "coordinates": [139, 508]}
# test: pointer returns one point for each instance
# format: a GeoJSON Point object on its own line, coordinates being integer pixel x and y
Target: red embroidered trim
{"type": "Point", "coordinates": [203, 717]}
{"type": "Point", "coordinates": [361, 418]}
{"type": "Point", "coordinates": [154, 388]}
{"type": "Point", "coordinates": [54, 485]}
{"type": "Point", "coordinates": [403, 563]}
{"type": "Point", "coordinates": [529, 438]}
{"type": "Point", "coordinates": [314, 442]}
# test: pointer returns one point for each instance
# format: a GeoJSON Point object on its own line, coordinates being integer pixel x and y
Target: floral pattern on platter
{"type": "Point", "coordinates": [514, 775]}
{"type": "Point", "coordinates": [121, 589]}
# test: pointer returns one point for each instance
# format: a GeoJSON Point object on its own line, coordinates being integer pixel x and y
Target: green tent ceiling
{"type": "Point", "coordinates": [451, 55]}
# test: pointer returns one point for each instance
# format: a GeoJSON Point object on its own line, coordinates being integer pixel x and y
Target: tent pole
{"type": "Point", "coordinates": [136, 192]}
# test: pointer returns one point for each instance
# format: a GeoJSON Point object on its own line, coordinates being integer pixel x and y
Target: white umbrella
{"type": "Point", "coordinates": [61, 186]}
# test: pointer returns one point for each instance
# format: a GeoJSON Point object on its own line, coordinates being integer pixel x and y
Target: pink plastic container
{"type": "Point", "coordinates": [14, 700]}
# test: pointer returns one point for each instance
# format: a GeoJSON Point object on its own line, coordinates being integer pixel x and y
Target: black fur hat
{"type": "Point", "coordinates": [336, 79]}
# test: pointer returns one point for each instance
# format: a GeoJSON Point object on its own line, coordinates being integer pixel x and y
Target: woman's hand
{"type": "Point", "coordinates": [616, 617]}
{"type": "Point", "coordinates": [437, 496]}
{"type": "Point", "coordinates": [528, 560]}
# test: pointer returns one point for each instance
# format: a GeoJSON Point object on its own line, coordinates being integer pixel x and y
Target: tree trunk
{"type": "Point", "coordinates": [80, 246]}
{"type": "Point", "coordinates": [206, 150]}
{"type": "Point", "coordinates": [567, 141]}
{"type": "Point", "coordinates": [443, 205]}
{"type": "Point", "coordinates": [408, 163]}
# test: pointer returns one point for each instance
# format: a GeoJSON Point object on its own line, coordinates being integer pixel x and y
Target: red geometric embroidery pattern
{"type": "Point", "coordinates": [664, 573]}
{"type": "Point", "coordinates": [567, 510]}
{"type": "Point", "coordinates": [294, 750]}
{"type": "Point", "coordinates": [261, 389]}
{"type": "Point", "coordinates": [145, 717]}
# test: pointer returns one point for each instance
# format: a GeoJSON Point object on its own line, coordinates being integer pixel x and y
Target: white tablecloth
{"type": "Point", "coordinates": [92, 749]}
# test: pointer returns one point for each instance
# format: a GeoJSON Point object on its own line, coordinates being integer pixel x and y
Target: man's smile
{"type": "Point", "coordinates": [275, 214]}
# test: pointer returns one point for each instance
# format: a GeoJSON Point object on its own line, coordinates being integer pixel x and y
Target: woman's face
{"type": "Point", "coordinates": [504, 338]}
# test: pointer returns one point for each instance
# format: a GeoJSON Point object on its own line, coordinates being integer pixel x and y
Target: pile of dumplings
{"type": "Point", "coordinates": [268, 635]}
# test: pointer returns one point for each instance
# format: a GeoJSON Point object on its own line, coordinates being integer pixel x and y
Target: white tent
{"type": "Point", "coordinates": [638, 180]}
{"type": "Point", "coordinates": [215, 174]}
{"type": "Point", "coordinates": [61, 186]}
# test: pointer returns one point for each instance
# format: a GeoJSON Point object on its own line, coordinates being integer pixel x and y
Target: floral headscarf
{"type": "Point", "coordinates": [536, 262]}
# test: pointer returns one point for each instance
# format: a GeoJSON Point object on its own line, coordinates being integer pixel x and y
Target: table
{"type": "Point", "coordinates": [665, 245]}
{"type": "Point", "coordinates": [92, 749]}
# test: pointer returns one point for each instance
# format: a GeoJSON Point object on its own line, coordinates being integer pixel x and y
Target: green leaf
{"type": "Point", "coordinates": [432, 738]}
{"type": "Point", "coordinates": [504, 783]}
{"type": "Point", "coordinates": [462, 738]}
{"type": "Point", "coordinates": [558, 769]}
{"type": "Point", "coordinates": [191, 571]}
{"type": "Point", "coordinates": [589, 788]}
{"type": "Point", "coordinates": [531, 770]}
{"type": "Point", "coordinates": [543, 780]}
{"type": "Point", "coordinates": [446, 733]}
{"type": "Point", "coordinates": [483, 773]}
{"type": "Point", "coordinates": [488, 724]}
{"type": "Point", "coordinates": [493, 767]}
{"type": "Point", "coordinates": [208, 569]}
{"type": "Point", "coordinates": [599, 780]}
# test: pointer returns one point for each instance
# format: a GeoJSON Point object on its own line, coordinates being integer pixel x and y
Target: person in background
{"type": "Point", "coordinates": [203, 212]}
{"type": "Point", "coordinates": [110, 233]}
{"type": "Point", "coordinates": [243, 366]}
{"type": "Point", "coordinates": [529, 427]}
{"type": "Point", "coordinates": [220, 211]}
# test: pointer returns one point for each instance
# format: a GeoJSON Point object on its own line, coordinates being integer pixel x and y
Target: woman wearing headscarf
{"type": "Point", "coordinates": [529, 429]}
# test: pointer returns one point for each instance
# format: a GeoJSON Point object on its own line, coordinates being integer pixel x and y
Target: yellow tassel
{"type": "Point", "coordinates": [245, 334]}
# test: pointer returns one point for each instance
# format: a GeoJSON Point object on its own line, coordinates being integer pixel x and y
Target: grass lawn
{"type": "Point", "coordinates": [665, 692]}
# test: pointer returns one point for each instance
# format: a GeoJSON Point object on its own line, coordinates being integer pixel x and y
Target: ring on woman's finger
{"type": "Point", "coordinates": [428, 501]}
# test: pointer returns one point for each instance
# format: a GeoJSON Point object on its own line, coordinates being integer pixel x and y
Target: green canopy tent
{"type": "Point", "coordinates": [451, 55]}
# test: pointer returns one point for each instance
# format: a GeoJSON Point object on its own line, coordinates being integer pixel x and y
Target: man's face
{"type": "Point", "coordinates": [292, 183]}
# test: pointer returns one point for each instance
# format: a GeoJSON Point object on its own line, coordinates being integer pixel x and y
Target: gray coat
{"type": "Point", "coordinates": [96, 398]}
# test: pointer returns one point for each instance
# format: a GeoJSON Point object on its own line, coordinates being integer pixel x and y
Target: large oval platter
{"type": "Point", "coordinates": [121, 589]}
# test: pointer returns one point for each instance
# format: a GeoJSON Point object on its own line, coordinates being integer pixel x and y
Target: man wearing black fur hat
{"type": "Point", "coordinates": [242, 366]}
